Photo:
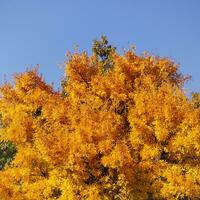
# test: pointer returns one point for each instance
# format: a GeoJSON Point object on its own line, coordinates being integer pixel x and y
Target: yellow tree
{"type": "Point", "coordinates": [122, 128]}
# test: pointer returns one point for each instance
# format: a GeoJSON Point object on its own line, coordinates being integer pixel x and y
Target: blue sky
{"type": "Point", "coordinates": [41, 31]}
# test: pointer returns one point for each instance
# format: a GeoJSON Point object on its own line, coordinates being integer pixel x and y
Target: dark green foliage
{"type": "Point", "coordinates": [7, 153]}
{"type": "Point", "coordinates": [196, 100]}
{"type": "Point", "coordinates": [104, 51]}
{"type": "Point", "coordinates": [63, 84]}
{"type": "Point", "coordinates": [7, 149]}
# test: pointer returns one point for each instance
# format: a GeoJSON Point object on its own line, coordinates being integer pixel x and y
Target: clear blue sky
{"type": "Point", "coordinates": [41, 31]}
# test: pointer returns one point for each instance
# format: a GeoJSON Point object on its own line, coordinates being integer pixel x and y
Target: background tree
{"type": "Point", "coordinates": [129, 133]}
{"type": "Point", "coordinates": [196, 99]}
{"type": "Point", "coordinates": [104, 51]}
{"type": "Point", "coordinates": [7, 152]}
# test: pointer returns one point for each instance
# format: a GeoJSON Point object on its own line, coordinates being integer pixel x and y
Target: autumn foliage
{"type": "Point", "coordinates": [121, 128]}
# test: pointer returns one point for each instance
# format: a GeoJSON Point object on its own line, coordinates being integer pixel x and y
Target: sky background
{"type": "Point", "coordinates": [41, 31]}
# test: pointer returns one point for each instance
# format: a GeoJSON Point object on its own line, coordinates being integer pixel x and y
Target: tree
{"type": "Point", "coordinates": [129, 133]}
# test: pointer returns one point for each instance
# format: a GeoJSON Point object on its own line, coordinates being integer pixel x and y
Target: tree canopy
{"type": "Point", "coordinates": [128, 134]}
